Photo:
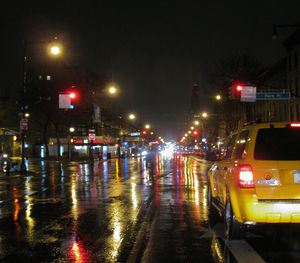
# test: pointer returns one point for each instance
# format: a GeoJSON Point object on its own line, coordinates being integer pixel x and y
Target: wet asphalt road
{"type": "Point", "coordinates": [112, 212]}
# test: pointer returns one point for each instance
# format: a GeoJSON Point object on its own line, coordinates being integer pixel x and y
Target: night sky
{"type": "Point", "coordinates": [155, 52]}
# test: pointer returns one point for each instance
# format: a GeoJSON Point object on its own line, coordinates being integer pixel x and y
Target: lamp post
{"type": "Point", "coordinates": [54, 50]}
{"type": "Point", "coordinates": [70, 141]}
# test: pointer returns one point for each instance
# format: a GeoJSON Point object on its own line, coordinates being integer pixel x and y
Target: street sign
{"type": "Point", "coordinates": [92, 136]}
{"type": "Point", "coordinates": [64, 101]}
{"type": "Point", "coordinates": [273, 96]}
{"type": "Point", "coordinates": [248, 94]}
{"type": "Point", "coordinates": [135, 134]}
{"type": "Point", "coordinates": [24, 124]}
{"type": "Point", "coordinates": [96, 113]}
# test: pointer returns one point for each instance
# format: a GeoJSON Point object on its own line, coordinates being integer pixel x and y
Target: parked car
{"type": "Point", "coordinates": [257, 180]}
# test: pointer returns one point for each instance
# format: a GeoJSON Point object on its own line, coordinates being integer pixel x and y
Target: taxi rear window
{"type": "Point", "coordinates": [278, 144]}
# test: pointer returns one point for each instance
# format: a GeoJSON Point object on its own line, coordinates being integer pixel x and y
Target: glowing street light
{"type": "Point", "coordinates": [112, 90]}
{"type": "Point", "coordinates": [192, 128]}
{"type": "Point", "coordinates": [196, 123]}
{"type": "Point", "coordinates": [218, 97]}
{"type": "Point", "coordinates": [131, 116]}
{"type": "Point", "coordinates": [204, 114]}
{"type": "Point", "coordinates": [147, 126]}
{"type": "Point", "coordinates": [72, 129]}
{"type": "Point", "coordinates": [55, 50]}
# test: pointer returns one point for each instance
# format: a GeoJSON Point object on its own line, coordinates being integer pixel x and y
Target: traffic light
{"type": "Point", "coordinates": [238, 88]}
{"type": "Point", "coordinates": [235, 91]}
{"type": "Point", "coordinates": [73, 95]}
{"type": "Point", "coordinates": [195, 133]}
{"type": "Point", "coordinates": [67, 99]}
{"type": "Point", "coordinates": [144, 132]}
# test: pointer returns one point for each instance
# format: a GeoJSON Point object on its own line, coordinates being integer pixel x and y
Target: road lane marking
{"type": "Point", "coordinates": [143, 231]}
{"type": "Point", "coordinates": [240, 249]}
{"type": "Point", "coordinates": [243, 252]}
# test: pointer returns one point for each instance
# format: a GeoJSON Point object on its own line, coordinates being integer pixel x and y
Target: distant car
{"type": "Point", "coordinates": [258, 178]}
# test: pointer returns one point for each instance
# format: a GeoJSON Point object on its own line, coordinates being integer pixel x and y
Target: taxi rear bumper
{"type": "Point", "coordinates": [270, 211]}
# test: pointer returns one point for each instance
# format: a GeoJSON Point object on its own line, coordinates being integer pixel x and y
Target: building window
{"type": "Point", "coordinates": [296, 59]}
{"type": "Point", "coordinates": [40, 77]}
{"type": "Point", "coordinates": [48, 77]}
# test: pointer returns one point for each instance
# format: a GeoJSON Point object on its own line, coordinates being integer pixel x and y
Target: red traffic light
{"type": "Point", "coordinates": [72, 95]}
{"type": "Point", "coordinates": [195, 132]}
{"type": "Point", "coordinates": [238, 88]}
{"type": "Point", "coordinates": [144, 132]}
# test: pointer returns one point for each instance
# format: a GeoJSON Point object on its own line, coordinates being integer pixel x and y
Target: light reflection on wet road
{"type": "Point", "coordinates": [108, 212]}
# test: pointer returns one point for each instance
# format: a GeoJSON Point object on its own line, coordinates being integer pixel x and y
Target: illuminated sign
{"type": "Point", "coordinates": [90, 141]}
{"type": "Point", "coordinates": [135, 134]}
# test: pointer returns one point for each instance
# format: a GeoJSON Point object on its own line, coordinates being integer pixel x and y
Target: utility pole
{"type": "Point", "coordinates": [23, 106]}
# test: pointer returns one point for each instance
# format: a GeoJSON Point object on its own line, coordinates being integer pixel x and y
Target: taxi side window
{"type": "Point", "coordinates": [241, 144]}
{"type": "Point", "coordinates": [230, 146]}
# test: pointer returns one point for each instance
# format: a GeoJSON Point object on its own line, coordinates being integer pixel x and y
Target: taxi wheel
{"type": "Point", "coordinates": [233, 229]}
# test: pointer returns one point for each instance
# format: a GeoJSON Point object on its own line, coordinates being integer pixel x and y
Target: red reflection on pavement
{"type": "Point", "coordinates": [77, 253]}
{"type": "Point", "coordinates": [17, 209]}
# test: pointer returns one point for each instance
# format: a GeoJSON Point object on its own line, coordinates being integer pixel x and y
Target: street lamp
{"type": "Point", "coordinates": [112, 89]}
{"type": "Point", "coordinates": [204, 115]}
{"type": "Point", "coordinates": [147, 126]}
{"type": "Point", "coordinates": [131, 116]}
{"type": "Point", "coordinates": [196, 123]}
{"type": "Point", "coordinates": [70, 141]}
{"type": "Point", "coordinates": [55, 50]}
{"type": "Point", "coordinates": [218, 97]}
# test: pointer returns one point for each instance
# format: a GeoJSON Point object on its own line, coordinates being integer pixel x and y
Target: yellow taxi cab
{"type": "Point", "coordinates": [257, 180]}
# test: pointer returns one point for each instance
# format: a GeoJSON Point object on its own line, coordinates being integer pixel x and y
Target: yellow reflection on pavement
{"type": "Point", "coordinates": [74, 198]}
{"type": "Point", "coordinates": [116, 237]}
{"type": "Point", "coordinates": [76, 253]}
{"type": "Point", "coordinates": [133, 195]}
{"type": "Point", "coordinates": [117, 170]}
{"type": "Point", "coordinates": [29, 204]}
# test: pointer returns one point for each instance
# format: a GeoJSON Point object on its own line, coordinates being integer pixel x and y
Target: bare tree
{"type": "Point", "coordinates": [236, 68]}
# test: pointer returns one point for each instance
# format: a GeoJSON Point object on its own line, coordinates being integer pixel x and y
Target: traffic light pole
{"type": "Point", "coordinates": [24, 80]}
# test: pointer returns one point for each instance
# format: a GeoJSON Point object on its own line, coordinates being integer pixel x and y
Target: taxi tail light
{"type": "Point", "coordinates": [245, 176]}
{"type": "Point", "coordinates": [295, 125]}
